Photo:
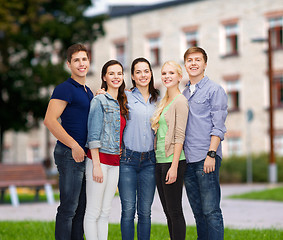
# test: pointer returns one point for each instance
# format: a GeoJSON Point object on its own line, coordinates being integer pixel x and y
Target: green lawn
{"type": "Point", "coordinates": [32, 230]}
{"type": "Point", "coordinates": [273, 194]}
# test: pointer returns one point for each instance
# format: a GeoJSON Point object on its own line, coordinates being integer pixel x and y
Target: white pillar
{"type": "Point", "coordinates": [14, 195]}
{"type": "Point", "coordinates": [49, 193]}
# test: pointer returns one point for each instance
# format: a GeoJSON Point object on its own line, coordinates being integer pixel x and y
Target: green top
{"type": "Point", "coordinates": [160, 143]}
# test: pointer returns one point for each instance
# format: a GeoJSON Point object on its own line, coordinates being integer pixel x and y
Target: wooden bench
{"type": "Point", "coordinates": [24, 175]}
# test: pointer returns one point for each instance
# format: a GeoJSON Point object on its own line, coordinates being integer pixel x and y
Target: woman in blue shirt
{"type": "Point", "coordinates": [137, 163]}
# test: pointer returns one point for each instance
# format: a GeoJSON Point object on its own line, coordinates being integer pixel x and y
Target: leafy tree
{"type": "Point", "coordinates": [34, 35]}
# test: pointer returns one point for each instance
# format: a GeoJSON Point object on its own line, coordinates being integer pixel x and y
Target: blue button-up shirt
{"type": "Point", "coordinates": [207, 115]}
{"type": "Point", "coordinates": [138, 135]}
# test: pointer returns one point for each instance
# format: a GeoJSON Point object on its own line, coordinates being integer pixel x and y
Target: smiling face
{"type": "Point", "coordinates": [171, 75]}
{"type": "Point", "coordinates": [141, 74]}
{"type": "Point", "coordinates": [79, 65]}
{"type": "Point", "coordinates": [195, 66]}
{"type": "Point", "coordinates": [114, 76]}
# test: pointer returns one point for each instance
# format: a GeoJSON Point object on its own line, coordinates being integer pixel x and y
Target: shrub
{"type": "Point", "coordinates": [234, 168]}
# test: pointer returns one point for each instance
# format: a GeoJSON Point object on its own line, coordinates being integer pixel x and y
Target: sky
{"type": "Point", "coordinates": [135, 1]}
{"type": "Point", "coordinates": [100, 6]}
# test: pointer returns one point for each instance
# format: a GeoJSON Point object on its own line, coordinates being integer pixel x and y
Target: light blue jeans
{"type": "Point", "coordinates": [136, 189]}
{"type": "Point", "coordinates": [203, 191]}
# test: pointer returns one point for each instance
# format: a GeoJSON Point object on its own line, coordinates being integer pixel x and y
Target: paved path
{"type": "Point", "coordinates": [237, 213]}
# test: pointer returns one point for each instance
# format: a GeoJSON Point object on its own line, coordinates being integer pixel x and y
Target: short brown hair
{"type": "Point", "coordinates": [195, 50]}
{"type": "Point", "coordinates": [76, 48]}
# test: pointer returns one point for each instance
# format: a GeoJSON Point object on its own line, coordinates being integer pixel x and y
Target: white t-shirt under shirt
{"type": "Point", "coordinates": [192, 88]}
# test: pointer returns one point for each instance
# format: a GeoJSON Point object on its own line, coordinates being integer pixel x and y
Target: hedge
{"type": "Point", "coordinates": [234, 168]}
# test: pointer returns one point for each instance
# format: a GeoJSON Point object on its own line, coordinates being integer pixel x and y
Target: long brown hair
{"type": "Point", "coordinates": [153, 91]}
{"type": "Point", "coordinates": [122, 98]}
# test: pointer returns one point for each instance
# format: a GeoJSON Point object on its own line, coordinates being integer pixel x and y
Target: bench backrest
{"type": "Point", "coordinates": [18, 172]}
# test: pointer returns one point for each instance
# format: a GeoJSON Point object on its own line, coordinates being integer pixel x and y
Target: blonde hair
{"type": "Point", "coordinates": [156, 116]}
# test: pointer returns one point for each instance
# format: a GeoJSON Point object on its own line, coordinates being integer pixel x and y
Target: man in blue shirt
{"type": "Point", "coordinates": [204, 133]}
{"type": "Point", "coordinates": [70, 101]}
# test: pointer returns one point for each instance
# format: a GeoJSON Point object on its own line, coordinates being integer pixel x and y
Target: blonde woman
{"type": "Point", "coordinates": [169, 123]}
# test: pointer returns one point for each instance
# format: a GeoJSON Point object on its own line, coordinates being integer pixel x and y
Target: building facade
{"type": "Point", "coordinates": [227, 30]}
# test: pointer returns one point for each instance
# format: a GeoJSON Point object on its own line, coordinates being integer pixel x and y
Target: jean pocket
{"type": "Point", "coordinates": [109, 114]}
{"type": "Point", "coordinates": [125, 159]}
{"type": "Point", "coordinates": [68, 154]}
{"type": "Point", "coordinates": [152, 159]}
{"type": "Point", "coordinates": [60, 154]}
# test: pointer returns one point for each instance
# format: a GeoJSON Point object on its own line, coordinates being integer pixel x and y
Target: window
{"type": "Point", "coordinates": [91, 61]}
{"type": "Point", "coordinates": [154, 48]}
{"type": "Point", "coordinates": [233, 92]}
{"type": "Point", "coordinates": [231, 39]}
{"type": "Point", "coordinates": [234, 146]}
{"type": "Point", "coordinates": [278, 90]}
{"type": "Point", "coordinates": [120, 50]}
{"type": "Point", "coordinates": [35, 153]}
{"type": "Point", "coordinates": [276, 26]}
{"type": "Point", "coordinates": [191, 39]}
{"type": "Point", "coordinates": [89, 51]}
{"type": "Point", "coordinates": [278, 144]}
{"type": "Point", "coordinates": [7, 154]}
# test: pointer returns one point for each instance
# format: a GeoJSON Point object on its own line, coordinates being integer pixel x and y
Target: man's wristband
{"type": "Point", "coordinates": [211, 154]}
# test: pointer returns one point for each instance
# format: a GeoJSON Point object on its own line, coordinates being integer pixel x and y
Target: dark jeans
{"type": "Point", "coordinates": [203, 191]}
{"type": "Point", "coordinates": [70, 213]}
{"type": "Point", "coordinates": [136, 189]}
{"type": "Point", "coordinates": [171, 199]}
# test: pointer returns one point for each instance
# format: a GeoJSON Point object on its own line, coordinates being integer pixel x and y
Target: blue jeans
{"type": "Point", "coordinates": [136, 189]}
{"type": "Point", "coordinates": [70, 213]}
{"type": "Point", "coordinates": [203, 191]}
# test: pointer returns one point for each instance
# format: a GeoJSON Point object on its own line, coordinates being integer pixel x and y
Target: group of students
{"type": "Point", "coordinates": [134, 140]}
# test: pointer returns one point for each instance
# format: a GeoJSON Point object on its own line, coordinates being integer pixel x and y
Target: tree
{"type": "Point", "coordinates": [34, 35]}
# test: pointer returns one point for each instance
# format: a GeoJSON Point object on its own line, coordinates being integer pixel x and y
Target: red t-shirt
{"type": "Point", "coordinates": [111, 159]}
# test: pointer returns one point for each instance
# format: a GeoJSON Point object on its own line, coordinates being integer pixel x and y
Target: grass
{"type": "Point", "coordinates": [34, 230]}
{"type": "Point", "coordinates": [274, 194]}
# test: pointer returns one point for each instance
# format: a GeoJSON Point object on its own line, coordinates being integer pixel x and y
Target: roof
{"type": "Point", "coordinates": [119, 11]}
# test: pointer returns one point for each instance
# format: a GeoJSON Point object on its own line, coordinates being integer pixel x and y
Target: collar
{"type": "Point", "coordinates": [137, 94]}
{"type": "Point", "coordinates": [75, 83]}
{"type": "Point", "coordinates": [201, 83]}
{"type": "Point", "coordinates": [135, 89]}
{"type": "Point", "coordinates": [110, 97]}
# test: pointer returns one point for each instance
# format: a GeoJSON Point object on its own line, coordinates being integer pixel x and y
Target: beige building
{"type": "Point", "coordinates": [225, 29]}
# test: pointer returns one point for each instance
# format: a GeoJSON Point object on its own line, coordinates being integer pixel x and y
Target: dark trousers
{"type": "Point", "coordinates": [70, 213]}
{"type": "Point", "coordinates": [171, 199]}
